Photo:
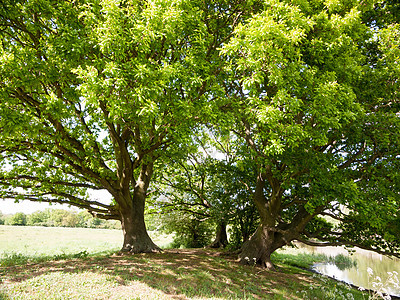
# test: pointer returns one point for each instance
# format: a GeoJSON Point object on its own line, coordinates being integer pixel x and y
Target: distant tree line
{"type": "Point", "coordinates": [58, 218]}
{"type": "Point", "coordinates": [188, 229]}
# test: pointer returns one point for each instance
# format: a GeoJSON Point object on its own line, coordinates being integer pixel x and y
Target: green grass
{"type": "Point", "coordinates": [301, 260]}
{"type": "Point", "coordinates": [173, 274]}
{"type": "Point", "coordinates": [306, 260]}
{"type": "Point", "coordinates": [22, 244]}
{"type": "Point", "coordinates": [48, 241]}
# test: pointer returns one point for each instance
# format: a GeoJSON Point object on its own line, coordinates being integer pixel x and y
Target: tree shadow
{"type": "Point", "coordinates": [177, 274]}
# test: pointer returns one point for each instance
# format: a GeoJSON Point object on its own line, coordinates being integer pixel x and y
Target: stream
{"type": "Point", "coordinates": [370, 267]}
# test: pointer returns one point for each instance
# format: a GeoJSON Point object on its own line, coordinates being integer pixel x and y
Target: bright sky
{"type": "Point", "coordinates": [8, 206]}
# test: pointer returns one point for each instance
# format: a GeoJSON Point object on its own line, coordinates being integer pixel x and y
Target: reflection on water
{"type": "Point", "coordinates": [358, 274]}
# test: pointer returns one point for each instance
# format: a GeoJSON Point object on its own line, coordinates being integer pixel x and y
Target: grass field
{"type": "Point", "coordinates": [50, 241]}
{"type": "Point", "coordinates": [38, 241]}
{"type": "Point", "coordinates": [75, 263]}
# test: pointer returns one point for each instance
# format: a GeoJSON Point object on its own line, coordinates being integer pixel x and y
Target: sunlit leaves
{"type": "Point", "coordinates": [309, 86]}
{"type": "Point", "coordinates": [318, 106]}
{"type": "Point", "coordinates": [389, 39]}
{"type": "Point", "coordinates": [91, 91]}
{"type": "Point", "coordinates": [301, 67]}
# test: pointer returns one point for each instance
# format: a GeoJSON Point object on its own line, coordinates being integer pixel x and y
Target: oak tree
{"type": "Point", "coordinates": [92, 93]}
{"type": "Point", "coordinates": [314, 92]}
{"type": "Point", "coordinates": [210, 184]}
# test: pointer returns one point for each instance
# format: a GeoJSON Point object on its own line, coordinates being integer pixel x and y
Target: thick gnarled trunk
{"type": "Point", "coordinates": [136, 238]}
{"type": "Point", "coordinates": [260, 246]}
{"type": "Point", "coordinates": [258, 249]}
{"type": "Point", "coordinates": [272, 234]}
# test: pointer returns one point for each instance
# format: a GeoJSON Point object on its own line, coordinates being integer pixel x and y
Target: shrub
{"type": "Point", "coordinates": [17, 219]}
{"type": "Point", "coordinates": [189, 231]}
{"type": "Point", "coordinates": [2, 220]}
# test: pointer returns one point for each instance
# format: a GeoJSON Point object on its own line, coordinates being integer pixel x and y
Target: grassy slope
{"type": "Point", "coordinates": [173, 274]}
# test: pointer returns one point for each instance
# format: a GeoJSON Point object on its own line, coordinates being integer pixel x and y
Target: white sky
{"type": "Point", "coordinates": [8, 206]}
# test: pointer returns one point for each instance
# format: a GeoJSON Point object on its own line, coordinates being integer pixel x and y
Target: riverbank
{"type": "Point", "coordinates": [360, 268]}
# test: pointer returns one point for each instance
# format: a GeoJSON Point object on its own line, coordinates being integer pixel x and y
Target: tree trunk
{"type": "Point", "coordinates": [260, 246]}
{"type": "Point", "coordinates": [258, 249]}
{"type": "Point", "coordinates": [270, 236]}
{"type": "Point", "coordinates": [221, 239]}
{"type": "Point", "coordinates": [267, 239]}
{"type": "Point", "coordinates": [136, 238]}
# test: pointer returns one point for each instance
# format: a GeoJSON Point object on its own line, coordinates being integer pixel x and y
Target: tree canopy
{"type": "Point", "coordinates": [94, 92]}
{"type": "Point", "coordinates": [101, 94]}
{"type": "Point", "coordinates": [209, 184]}
{"type": "Point", "coordinates": [315, 98]}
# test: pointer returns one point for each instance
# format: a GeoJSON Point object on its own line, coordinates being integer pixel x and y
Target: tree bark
{"type": "Point", "coordinates": [221, 239]}
{"type": "Point", "coordinates": [258, 249]}
{"type": "Point", "coordinates": [260, 246]}
{"type": "Point", "coordinates": [136, 238]}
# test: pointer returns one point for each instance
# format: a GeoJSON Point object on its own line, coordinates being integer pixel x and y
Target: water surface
{"type": "Point", "coordinates": [367, 262]}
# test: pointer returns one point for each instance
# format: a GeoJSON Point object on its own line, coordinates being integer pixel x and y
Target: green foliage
{"type": "Point", "coordinates": [10, 259]}
{"type": "Point", "coordinates": [320, 227]}
{"type": "Point", "coordinates": [313, 93]}
{"type": "Point", "coordinates": [343, 262]}
{"type": "Point", "coordinates": [39, 218]}
{"type": "Point", "coordinates": [18, 218]}
{"type": "Point", "coordinates": [66, 218]}
{"type": "Point", "coordinates": [189, 232]}
{"type": "Point", "coordinates": [94, 94]}
{"type": "Point", "coordinates": [2, 218]}
{"type": "Point", "coordinates": [153, 222]}
{"type": "Point", "coordinates": [211, 184]}
{"type": "Point", "coordinates": [243, 225]}
{"type": "Point", "coordinates": [302, 95]}
{"type": "Point", "coordinates": [301, 260]}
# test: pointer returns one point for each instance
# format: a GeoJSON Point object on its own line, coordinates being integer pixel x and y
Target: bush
{"type": "Point", "coordinates": [243, 224]}
{"type": "Point", "coordinates": [2, 220]}
{"type": "Point", "coordinates": [17, 219]}
{"type": "Point", "coordinates": [38, 218]}
{"type": "Point", "coordinates": [59, 218]}
{"type": "Point", "coordinates": [189, 231]}
{"type": "Point", "coordinates": [70, 220]}
{"type": "Point", "coordinates": [343, 262]}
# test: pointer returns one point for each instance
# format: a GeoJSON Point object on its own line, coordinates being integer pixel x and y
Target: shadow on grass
{"type": "Point", "coordinates": [177, 274]}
